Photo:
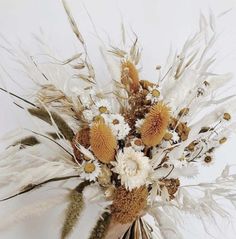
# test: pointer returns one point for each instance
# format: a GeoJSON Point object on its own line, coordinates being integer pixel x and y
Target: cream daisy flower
{"type": "Point", "coordinates": [90, 170]}
{"type": "Point", "coordinates": [133, 168]}
{"type": "Point", "coordinates": [154, 94]}
{"type": "Point", "coordinates": [118, 125]}
{"type": "Point", "coordinates": [101, 106]}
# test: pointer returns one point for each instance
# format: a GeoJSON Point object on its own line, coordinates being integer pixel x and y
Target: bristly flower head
{"type": "Point", "coordinates": [132, 167]}
{"type": "Point", "coordinates": [155, 124]}
{"type": "Point", "coordinates": [103, 142]}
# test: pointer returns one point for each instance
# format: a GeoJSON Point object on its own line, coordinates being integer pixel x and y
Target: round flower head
{"type": "Point", "coordinates": [103, 142]}
{"type": "Point", "coordinates": [155, 124]}
{"type": "Point", "coordinates": [133, 168]}
{"type": "Point", "coordinates": [154, 94]}
{"type": "Point", "coordinates": [90, 170]}
{"type": "Point", "coordinates": [118, 125]}
{"type": "Point", "coordinates": [101, 107]}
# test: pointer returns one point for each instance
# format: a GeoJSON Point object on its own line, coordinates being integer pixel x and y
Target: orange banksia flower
{"type": "Point", "coordinates": [127, 205]}
{"type": "Point", "coordinates": [155, 124]}
{"type": "Point", "coordinates": [103, 142]}
{"type": "Point", "coordinates": [130, 76]}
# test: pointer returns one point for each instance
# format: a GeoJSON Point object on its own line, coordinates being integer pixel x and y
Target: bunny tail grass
{"type": "Point", "coordinates": [100, 230]}
{"type": "Point", "coordinates": [74, 210]}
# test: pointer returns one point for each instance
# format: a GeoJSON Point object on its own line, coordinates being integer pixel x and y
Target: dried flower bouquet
{"type": "Point", "coordinates": [128, 147]}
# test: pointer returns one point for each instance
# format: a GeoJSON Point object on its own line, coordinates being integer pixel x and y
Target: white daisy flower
{"type": "Point", "coordinates": [138, 124]}
{"type": "Point", "coordinates": [90, 170]}
{"type": "Point", "coordinates": [101, 106]}
{"type": "Point", "coordinates": [133, 168]}
{"type": "Point", "coordinates": [118, 125]}
{"type": "Point", "coordinates": [137, 144]}
{"type": "Point", "coordinates": [154, 94]}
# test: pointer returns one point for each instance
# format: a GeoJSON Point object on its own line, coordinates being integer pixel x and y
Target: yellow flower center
{"type": "Point", "coordinates": [155, 93]}
{"type": "Point", "coordinates": [89, 167]}
{"type": "Point", "coordinates": [115, 121]}
{"type": "Point", "coordinates": [102, 109]}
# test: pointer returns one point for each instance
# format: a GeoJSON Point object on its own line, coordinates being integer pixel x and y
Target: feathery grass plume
{"type": "Point", "coordinates": [155, 124]}
{"type": "Point", "coordinates": [42, 114]}
{"type": "Point", "coordinates": [74, 209]}
{"type": "Point", "coordinates": [99, 231]}
{"type": "Point", "coordinates": [103, 142]}
{"type": "Point", "coordinates": [127, 205]}
{"type": "Point", "coordinates": [130, 76]}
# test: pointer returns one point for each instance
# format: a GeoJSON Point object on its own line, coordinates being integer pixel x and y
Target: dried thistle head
{"type": "Point", "coordinates": [155, 124]}
{"type": "Point", "coordinates": [103, 142]}
{"type": "Point", "coordinates": [130, 76]}
{"type": "Point", "coordinates": [127, 205]}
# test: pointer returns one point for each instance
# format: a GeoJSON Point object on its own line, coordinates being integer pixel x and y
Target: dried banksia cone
{"type": "Point", "coordinates": [155, 124]}
{"type": "Point", "coordinates": [130, 76]}
{"type": "Point", "coordinates": [103, 142]}
{"type": "Point", "coordinates": [128, 205]}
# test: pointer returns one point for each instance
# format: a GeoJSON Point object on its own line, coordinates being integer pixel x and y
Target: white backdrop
{"type": "Point", "coordinates": [158, 23]}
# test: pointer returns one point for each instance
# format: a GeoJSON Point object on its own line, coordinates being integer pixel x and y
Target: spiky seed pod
{"type": "Point", "coordinates": [130, 76]}
{"type": "Point", "coordinates": [155, 124]}
{"type": "Point", "coordinates": [103, 142]}
{"type": "Point", "coordinates": [127, 205]}
{"type": "Point", "coordinates": [99, 231]}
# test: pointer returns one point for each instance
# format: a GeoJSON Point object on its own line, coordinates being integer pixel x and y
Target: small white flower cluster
{"type": "Point", "coordinates": [118, 125]}
{"type": "Point", "coordinates": [99, 107]}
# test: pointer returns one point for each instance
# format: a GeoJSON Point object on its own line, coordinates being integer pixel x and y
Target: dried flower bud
{"type": "Point", "coordinates": [227, 116]}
